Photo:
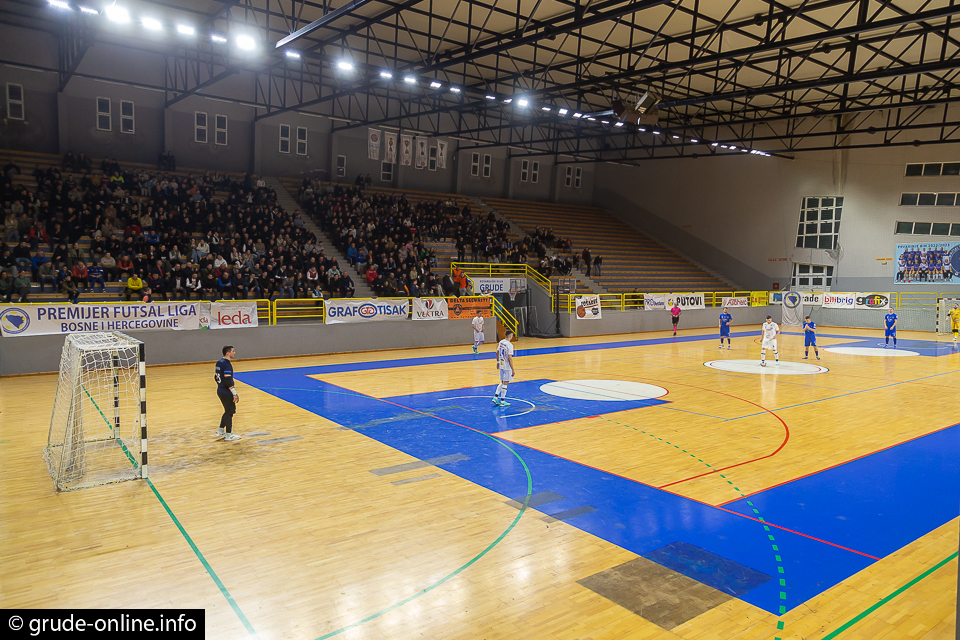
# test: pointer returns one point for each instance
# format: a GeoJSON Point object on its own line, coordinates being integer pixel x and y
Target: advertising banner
{"type": "Point", "coordinates": [928, 263]}
{"type": "Point", "coordinates": [376, 310]}
{"type": "Point", "coordinates": [466, 308]}
{"type": "Point", "coordinates": [776, 297]}
{"type": "Point", "coordinates": [430, 309]}
{"type": "Point", "coordinates": [406, 150]}
{"type": "Point", "coordinates": [811, 298]}
{"type": "Point", "coordinates": [391, 154]}
{"type": "Point", "coordinates": [228, 315]}
{"type": "Point", "coordinates": [839, 301]}
{"type": "Point", "coordinates": [873, 301]}
{"type": "Point", "coordinates": [373, 144]}
{"type": "Point", "coordinates": [495, 286]}
{"type": "Point", "coordinates": [665, 301]}
{"type": "Point", "coordinates": [588, 307]}
{"type": "Point", "coordinates": [733, 303]}
{"type": "Point", "coordinates": [47, 319]}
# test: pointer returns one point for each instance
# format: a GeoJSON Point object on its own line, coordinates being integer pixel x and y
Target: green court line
{"type": "Point", "coordinates": [186, 536]}
{"type": "Point", "coordinates": [439, 582]}
{"type": "Point", "coordinates": [888, 598]}
{"type": "Point", "coordinates": [119, 441]}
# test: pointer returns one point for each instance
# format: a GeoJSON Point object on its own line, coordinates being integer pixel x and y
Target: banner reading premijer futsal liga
{"type": "Point", "coordinates": [47, 319]}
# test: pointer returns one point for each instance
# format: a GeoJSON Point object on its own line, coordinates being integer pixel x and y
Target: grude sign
{"type": "Point", "coordinates": [498, 286]}
{"type": "Point", "coordinates": [376, 310]}
{"type": "Point", "coordinates": [47, 319]}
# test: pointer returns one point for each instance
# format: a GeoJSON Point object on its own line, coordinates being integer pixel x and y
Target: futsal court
{"type": "Point", "coordinates": [639, 486]}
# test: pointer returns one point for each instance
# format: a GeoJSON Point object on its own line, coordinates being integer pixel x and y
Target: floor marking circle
{"type": "Point", "coordinates": [872, 351]}
{"type": "Point", "coordinates": [603, 390]}
{"type": "Point", "coordinates": [512, 415]}
{"type": "Point", "coordinates": [783, 368]}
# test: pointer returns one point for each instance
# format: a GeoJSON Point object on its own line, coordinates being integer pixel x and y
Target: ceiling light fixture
{"type": "Point", "coordinates": [246, 43]}
{"type": "Point", "coordinates": [544, 108]}
{"type": "Point", "coordinates": [562, 112]}
{"type": "Point", "coordinates": [152, 24]}
{"type": "Point", "coordinates": [217, 38]}
{"type": "Point", "coordinates": [435, 85]}
{"type": "Point", "coordinates": [386, 75]}
{"type": "Point", "coordinates": [523, 102]}
{"type": "Point", "coordinates": [619, 124]}
{"type": "Point", "coordinates": [491, 97]}
{"type": "Point", "coordinates": [185, 29]}
{"type": "Point", "coordinates": [58, 4]}
{"type": "Point", "coordinates": [578, 115]}
{"type": "Point", "coordinates": [293, 54]}
{"type": "Point", "coordinates": [508, 101]}
{"type": "Point", "coordinates": [84, 9]}
{"type": "Point", "coordinates": [118, 14]}
{"type": "Point", "coordinates": [345, 65]}
{"type": "Point", "coordinates": [409, 79]}
{"type": "Point", "coordinates": [694, 140]}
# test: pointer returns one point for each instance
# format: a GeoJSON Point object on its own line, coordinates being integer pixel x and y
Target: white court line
{"type": "Point", "coordinates": [513, 415]}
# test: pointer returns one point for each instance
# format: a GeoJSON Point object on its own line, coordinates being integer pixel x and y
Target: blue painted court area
{"type": "Point", "coordinates": [875, 504]}
{"type": "Point", "coordinates": [783, 568]}
{"type": "Point", "coordinates": [929, 348]}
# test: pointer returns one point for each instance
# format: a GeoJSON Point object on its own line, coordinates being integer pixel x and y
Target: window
{"type": "Point", "coordinates": [432, 159]}
{"type": "Point", "coordinates": [126, 117]}
{"type": "Point", "coordinates": [927, 228]}
{"type": "Point", "coordinates": [284, 138]}
{"type": "Point", "coordinates": [535, 172]}
{"type": "Point", "coordinates": [103, 115]}
{"type": "Point", "coordinates": [341, 166]}
{"type": "Point", "coordinates": [577, 176]}
{"type": "Point", "coordinates": [487, 165]}
{"type": "Point", "coordinates": [929, 199]}
{"type": "Point", "coordinates": [301, 141]}
{"type": "Point", "coordinates": [819, 225]}
{"type": "Point", "coordinates": [812, 277]}
{"type": "Point", "coordinates": [200, 127]}
{"type": "Point", "coordinates": [475, 164]}
{"type": "Point", "coordinates": [386, 171]}
{"type": "Point", "coordinates": [14, 101]}
{"type": "Point", "coordinates": [524, 170]}
{"type": "Point", "coordinates": [568, 180]}
{"type": "Point", "coordinates": [933, 169]}
{"type": "Point", "coordinates": [221, 130]}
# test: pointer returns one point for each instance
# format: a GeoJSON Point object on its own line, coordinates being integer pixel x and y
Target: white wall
{"type": "Point", "coordinates": [739, 214]}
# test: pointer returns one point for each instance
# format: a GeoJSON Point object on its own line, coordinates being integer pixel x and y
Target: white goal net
{"type": "Point", "coordinates": [944, 305]}
{"type": "Point", "coordinates": [98, 430]}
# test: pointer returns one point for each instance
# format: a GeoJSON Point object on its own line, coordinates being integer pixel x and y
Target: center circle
{"type": "Point", "coordinates": [782, 368]}
{"type": "Point", "coordinates": [603, 390]}
{"type": "Point", "coordinates": [879, 352]}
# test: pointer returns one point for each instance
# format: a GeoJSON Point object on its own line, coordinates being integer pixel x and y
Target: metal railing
{"type": "Point", "coordinates": [494, 270]}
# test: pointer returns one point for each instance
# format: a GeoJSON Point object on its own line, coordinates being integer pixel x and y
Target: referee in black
{"type": "Point", "coordinates": [227, 394]}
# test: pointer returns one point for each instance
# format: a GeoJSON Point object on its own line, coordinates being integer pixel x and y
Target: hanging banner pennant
{"type": "Point", "coordinates": [421, 152]}
{"type": "Point", "coordinates": [391, 153]}
{"type": "Point", "coordinates": [441, 154]}
{"type": "Point", "coordinates": [406, 150]}
{"type": "Point", "coordinates": [373, 144]}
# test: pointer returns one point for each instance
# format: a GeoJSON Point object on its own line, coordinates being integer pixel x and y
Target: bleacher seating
{"type": "Point", "coordinates": [631, 260]}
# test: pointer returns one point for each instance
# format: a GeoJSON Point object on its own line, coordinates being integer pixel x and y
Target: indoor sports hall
{"type": "Point", "coordinates": [459, 320]}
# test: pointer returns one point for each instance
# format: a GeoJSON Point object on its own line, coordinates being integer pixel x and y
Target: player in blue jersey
{"type": "Point", "coordinates": [725, 320]}
{"type": "Point", "coordinates": [226, 393]}
{"type": "Point", "coordinates": [810, 338]}
{"type": "Point", "coordinates": [890, 329]}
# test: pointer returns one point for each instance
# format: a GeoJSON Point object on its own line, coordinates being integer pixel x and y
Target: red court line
{"type": "Point", "coordinates": [807, 475]}
{"type": "Point", "coordinates": [832, 544]}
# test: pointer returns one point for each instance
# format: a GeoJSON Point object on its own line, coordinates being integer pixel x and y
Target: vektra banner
{"type": "Point", "coordinates": [228, 315]}
{"type": "Point", "coordinates": [47, 319]}
{"type": "Point", "coordinates": [375, 310]}
{"type": "Point", "coordinates": [734, 303]}
{"type": "Point", "coordinates": [430, 309]}
{"type": "Point", "coordinates": [588, 307]}
{"type": "Point", "coordinates": [665, 301]}
{"type": "Point", "coordinates": [839, 301]}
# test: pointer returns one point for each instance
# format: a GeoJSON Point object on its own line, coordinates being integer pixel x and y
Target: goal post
{"type": "Point", "coordinates": [944, 305]}
{"type": "Point", "coordinates": [98, 428]}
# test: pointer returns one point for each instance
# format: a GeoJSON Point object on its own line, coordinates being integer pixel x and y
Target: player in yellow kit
{"type": "Point", "coordinates": [955, 321]}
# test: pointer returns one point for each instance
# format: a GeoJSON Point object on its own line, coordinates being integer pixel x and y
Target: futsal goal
{"type": "Point", "coordinates": [98, 430]}
{"type": "Point", "coordinates": [944, 305]}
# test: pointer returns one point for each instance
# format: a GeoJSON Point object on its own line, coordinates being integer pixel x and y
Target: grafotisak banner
{"type": "Point", "coordinates": [360, 310]}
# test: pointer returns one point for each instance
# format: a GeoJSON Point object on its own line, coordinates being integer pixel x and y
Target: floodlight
{"type": "Point", "coordinates": [435, 85]}
{"type": "Point", "coordinates": [694, 140]}
{"type": "Point", "coordinates": [523, 102]}
{"type": "Point", "coordinates": [508, 101]}
{"type": "Point", "coordinates": [618, 124]}
{"type": "Point", "coordinates": [656, 133]}
{"type": "Point", "coordinates": [246, 43]}
{"type": "Point", "coordinates": [544, 108]}
{"type": "Point", "coordinates": [409, 79]}
{"type": "Point", "coordinates": [217, 38]}
{"type": "Point", "coordinates": [117, 14]}
{"type": "Point", "coordinates": [293, 54]}
{"type": "Point", "coordinates": [491, 97]}
{"type": "Point", "coordinates": [58, 4]}
{"type": "Point", "coordinates": [185, 29]}
{"type": "Point", "coordinates": [345, 65]}
{"type": "Point", "coordinates": [152, 24]}
{"type": "Point", "coordinates": [578, 115]}
{"type": "Point", "coordinates": [386, 75]}
{"type": "Point", "coordinates": [84, 9]}
{"type": "Point", "coordinates": [676, 137]}
{"type": "Point", "coordinates": [455, 89]}
{"type": "Point", "coordinates": [562, 112]}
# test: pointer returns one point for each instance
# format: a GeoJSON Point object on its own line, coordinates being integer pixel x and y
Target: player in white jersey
{"type": "Point", "coordinates": [505, 367]}
{"type": "Point", "coordinates": [477, 323]}
{"type": "Point", "coordinates": [769, 332]}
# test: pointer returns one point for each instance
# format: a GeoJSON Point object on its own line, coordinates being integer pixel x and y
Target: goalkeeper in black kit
{"type": "Point", "coordinates": [227, 394]}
